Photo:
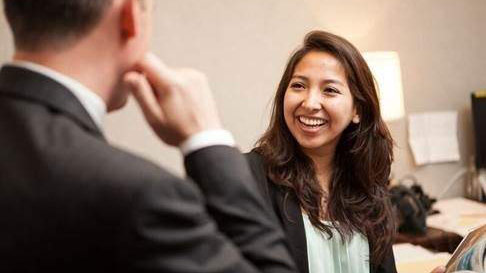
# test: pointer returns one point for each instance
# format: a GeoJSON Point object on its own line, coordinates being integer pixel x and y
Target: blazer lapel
{"type": "Point", "coordinates": [293, 224]}
{"type": "Point", "coordinates": [25, 84]}
{"type": "Point", "coordinates": [287, 209]}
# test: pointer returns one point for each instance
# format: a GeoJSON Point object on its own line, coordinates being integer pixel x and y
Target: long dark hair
{"type": "Point", "coordinates": [358, 197]}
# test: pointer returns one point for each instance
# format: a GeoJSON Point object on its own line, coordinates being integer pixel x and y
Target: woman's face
{"type": "Point", "coordinates": [318, 104]}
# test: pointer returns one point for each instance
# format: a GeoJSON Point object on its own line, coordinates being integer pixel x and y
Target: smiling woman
{"type": "Point", "coordinates": [318, 104]}
{"type": "Point", "coordinates": [325, 159]}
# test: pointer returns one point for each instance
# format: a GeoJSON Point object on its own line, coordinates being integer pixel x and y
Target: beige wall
{"type": "Point", "coordinates": [243, 45]}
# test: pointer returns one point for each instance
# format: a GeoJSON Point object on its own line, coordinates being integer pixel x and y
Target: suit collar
{"type": "Point", "coordinates": [92, 102]}
{"type": "Point", "coordinates": [28, 85]}
{"type": "Point", "coordinates": [286, 205]}
{"type": "Point", "coordinates": [293, 224]}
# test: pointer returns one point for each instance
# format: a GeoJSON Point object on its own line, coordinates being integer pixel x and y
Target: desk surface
{"type": "Point", "coordinates": [458, 215]}
{"type": "Point", "coordinates": [416, 259]}
{"type": "Point", "coordinates": [444, 233]}
{"type": "Point", "coordinates": [434, 239]}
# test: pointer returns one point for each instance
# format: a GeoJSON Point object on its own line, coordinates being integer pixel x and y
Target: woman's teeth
{"type": "Point", "coordinates": [313, 122]}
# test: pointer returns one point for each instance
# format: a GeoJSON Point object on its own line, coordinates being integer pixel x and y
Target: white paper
{"type": "Point", "coordinates": [459, 215]}
{"type": "Point", "coordinates": [433, 137]}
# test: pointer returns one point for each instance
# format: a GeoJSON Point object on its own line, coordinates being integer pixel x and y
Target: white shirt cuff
{"type": "Point", "coordinates": [205, 139]}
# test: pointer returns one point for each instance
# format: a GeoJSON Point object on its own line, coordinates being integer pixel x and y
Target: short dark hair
{"type": "Point", "coordinates": [37, 24]}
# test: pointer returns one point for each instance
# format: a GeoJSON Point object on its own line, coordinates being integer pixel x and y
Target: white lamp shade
{"type": "Point", "coordinates": [385, 67]}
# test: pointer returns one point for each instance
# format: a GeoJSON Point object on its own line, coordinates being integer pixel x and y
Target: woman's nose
{"type": "Point", "coordinates": [312, 101]}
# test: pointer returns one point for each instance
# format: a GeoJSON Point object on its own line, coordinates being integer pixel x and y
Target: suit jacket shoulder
{"type": "Point", "coordinates": [75, 203]}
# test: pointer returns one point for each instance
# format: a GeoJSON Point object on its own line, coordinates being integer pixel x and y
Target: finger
{"type": "Point", "coordinates": [158, 74]}
{"type": "Point", "coordinates": [143, 93]}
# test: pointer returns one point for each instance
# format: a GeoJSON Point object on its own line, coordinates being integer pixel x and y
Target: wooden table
{"type": "Point", "coordinates": [434, 239]}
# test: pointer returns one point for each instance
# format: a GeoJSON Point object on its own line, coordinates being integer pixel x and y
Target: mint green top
{"type": "Point", "coordinates": [332, 255]}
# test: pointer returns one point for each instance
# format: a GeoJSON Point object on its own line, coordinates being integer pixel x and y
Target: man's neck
{"type": "Point", "coordinates": [96, 76]}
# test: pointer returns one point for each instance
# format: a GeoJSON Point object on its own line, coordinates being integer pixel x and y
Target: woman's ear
{"type": "Point", "coordinates": [356, 118]}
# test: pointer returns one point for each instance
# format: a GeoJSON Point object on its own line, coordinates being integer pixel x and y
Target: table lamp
{"type": "Point", "coordinates": [385, 67]}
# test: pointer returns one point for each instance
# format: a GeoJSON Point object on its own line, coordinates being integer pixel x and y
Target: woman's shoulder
{"type": "Point", "coordinates": [256, 163]}
{"type": "Point", "coordinates": [258, 166]}
{"type": "Point", "coordinates": [255, 159]}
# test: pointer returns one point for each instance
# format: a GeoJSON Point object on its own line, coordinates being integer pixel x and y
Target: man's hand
{"type": "Point", "coordinates": [439, 269]}
{"type": "Point", "coordinates": [176, 103]}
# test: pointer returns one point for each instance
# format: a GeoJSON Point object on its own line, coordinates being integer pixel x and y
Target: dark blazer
{"type": "Point", "coordinates": [289, 213]}
{"type": "Point", "coordinates": [70, 202]}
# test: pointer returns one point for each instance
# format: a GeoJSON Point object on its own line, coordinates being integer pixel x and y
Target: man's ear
{"type": "Point", "coordinates": [129, 19]}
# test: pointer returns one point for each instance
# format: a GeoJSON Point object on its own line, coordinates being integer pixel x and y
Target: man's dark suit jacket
{"type": "Point", "coordinates": [70, 202]}
{"type": "Point", "coordinates": [289, 213]}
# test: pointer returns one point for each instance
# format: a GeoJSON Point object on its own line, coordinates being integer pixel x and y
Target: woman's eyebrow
{"type": "Point", "coordinates": [326, 81]}
{"type": "Point", "coordinates": [304, 78]}
{"type": "Point", "coordinates": [334, 81]}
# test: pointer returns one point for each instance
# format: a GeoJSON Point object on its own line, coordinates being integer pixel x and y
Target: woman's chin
{"type": "Point", "coordinates": [311, 145]}
{"type": "Point", "coordinates": [317, 145]}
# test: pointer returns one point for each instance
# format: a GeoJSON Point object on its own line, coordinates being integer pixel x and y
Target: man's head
{"type": "Point", "coordinates": [52, 23]}
{"type": "Point", "coordinates": [105, 35]}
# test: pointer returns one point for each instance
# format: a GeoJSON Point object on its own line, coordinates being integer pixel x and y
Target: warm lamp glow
{"type": "Point", "coordinates": [385, 67]}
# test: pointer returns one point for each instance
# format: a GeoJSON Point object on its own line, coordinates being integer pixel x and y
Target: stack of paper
{"type": "Point", "coordinates": [433, 137]}
{"type": "Point", "coordinates": [458, 215]}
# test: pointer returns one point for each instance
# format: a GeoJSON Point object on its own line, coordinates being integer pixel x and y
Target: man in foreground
{"type": "Point", "coordinates": [70, 202]}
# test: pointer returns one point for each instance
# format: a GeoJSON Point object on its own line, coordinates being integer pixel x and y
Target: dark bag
{"type": "Point", "coordinates": [410, 212]}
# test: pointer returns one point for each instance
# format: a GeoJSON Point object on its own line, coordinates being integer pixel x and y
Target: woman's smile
{"type": "Point", "coordinates": [311, 124]}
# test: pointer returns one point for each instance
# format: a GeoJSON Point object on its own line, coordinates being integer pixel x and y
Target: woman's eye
{"type": "Point", "coordinates": [331, 90]}
{"type": "Point", "coordinates": [297, 85]}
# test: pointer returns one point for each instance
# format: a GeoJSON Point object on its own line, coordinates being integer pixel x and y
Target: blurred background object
{"type": "Point", "coordinates": [385, 67]}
